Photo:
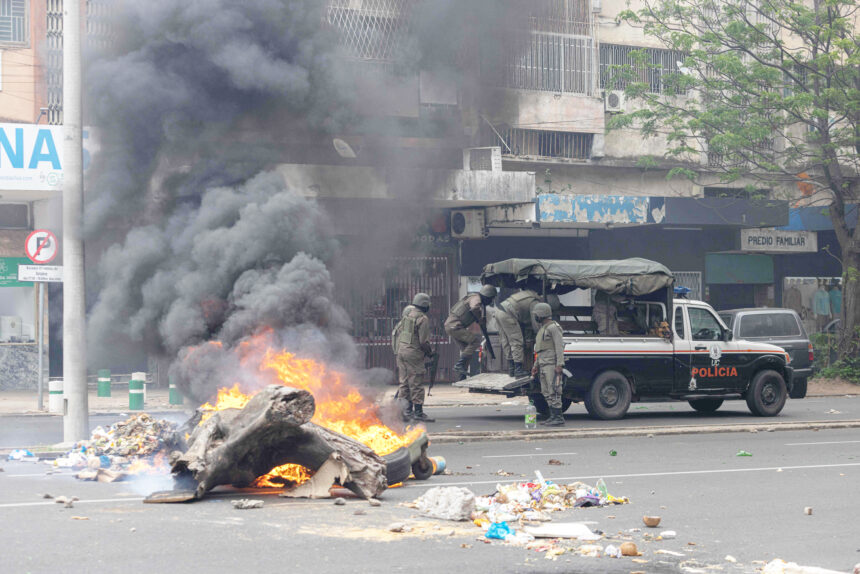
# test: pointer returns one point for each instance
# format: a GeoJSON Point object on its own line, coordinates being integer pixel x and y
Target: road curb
{"type": "Point", "coordinates": [525, 435]}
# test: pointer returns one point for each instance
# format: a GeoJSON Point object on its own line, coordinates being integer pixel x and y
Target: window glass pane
{"type": "Point", "coordinates": [769, 325]}
{"type": "Point", "coordinates": [703, 325]}
{"type": "Point", "coordinates": [679, 323]}
{"type": "Point", "coordinates": [727, 319]}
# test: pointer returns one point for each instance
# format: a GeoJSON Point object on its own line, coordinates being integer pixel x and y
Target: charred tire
{"type": "Point", "coordinates": [397, 466]}
{"type": "Point", "coordinates": [542, 407]}
{"type": "Point", "coordinates": [766, 394]}
{"type": "Point", "coordinates": [423, 468]}
{"type": "Point", "coordinates": [706, 405]}
{"type": "Point", "coordinates": [798, 389]}
{"type": "Point", "coordinates": [609, 396]}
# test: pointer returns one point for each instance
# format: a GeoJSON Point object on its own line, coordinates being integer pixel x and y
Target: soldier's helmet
{"type": "Point", "coordinates": [421, 300]}
{"type": "Point", "coordinates": [488, 292]}
{"type": "Point", "coordinates": [542, 311]}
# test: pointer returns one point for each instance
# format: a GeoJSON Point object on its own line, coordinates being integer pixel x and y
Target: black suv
{"type": "Point", "coordinates": [780, 327]}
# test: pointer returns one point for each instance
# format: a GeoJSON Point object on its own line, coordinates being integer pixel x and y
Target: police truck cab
{"type": "Point", "coordinates": [640, 342]}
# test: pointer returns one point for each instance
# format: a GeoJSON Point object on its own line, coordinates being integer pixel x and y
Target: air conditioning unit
{"type": "Point", "coordinates": [468, 224]}
{"type": "Point", "coordinates": [614, 101]}
{"type": "Point", "coordinates": [482, 159]}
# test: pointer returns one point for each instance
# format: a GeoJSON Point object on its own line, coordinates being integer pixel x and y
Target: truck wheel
{"type": "Point", "coordinates": [609, 396]}
{"type": "Point", "coordinates": [565, 404]}
{"type": "Point", "coordinates": [397, 465]}
{"type": "Point", "coordinates": [798, 389]}
{"type": "Point", "coordinates": [766, 394]}
{"type": "Point", "coordinates": [423, 468]}
{"type": "Point", "coordinates": [706, 405]}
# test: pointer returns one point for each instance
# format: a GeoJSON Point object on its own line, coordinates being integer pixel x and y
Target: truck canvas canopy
{"type": "Point", "coordinates": [632, 277]}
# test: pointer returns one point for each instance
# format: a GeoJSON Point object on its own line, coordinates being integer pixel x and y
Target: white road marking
{"type": "Point", "coordinates": [77, 502]}
{"type": "Point", "coordinates": [533, 454]}
{"type": "Point", "coordinates": [817, 443]}
{"type": "Point", "coordinates": [647, 474]}
{"type": "Point", "coordinates": [45, 474]}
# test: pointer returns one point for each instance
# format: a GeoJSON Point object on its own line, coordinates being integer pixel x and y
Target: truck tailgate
{"type": "Point", "coordinates": [493, 383]}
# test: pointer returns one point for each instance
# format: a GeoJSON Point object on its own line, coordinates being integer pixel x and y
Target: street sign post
{"type": "Point", "coordinates": [41, 247]}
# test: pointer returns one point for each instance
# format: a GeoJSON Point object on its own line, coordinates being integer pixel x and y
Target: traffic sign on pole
{"type": "Point", "coordinates": [41, 246]}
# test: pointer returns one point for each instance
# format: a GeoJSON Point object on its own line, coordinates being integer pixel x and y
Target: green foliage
{"type": "Point", "coordinates": [847, 369]}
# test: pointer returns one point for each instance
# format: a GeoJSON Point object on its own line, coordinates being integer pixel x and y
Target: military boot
{"type": "Point", "coordinates": [511, 367]}
{"type": "Point", "coordinates": [555, 420]}
{"type": "Point", "coordinates": [461, 367]}
{"type": "Point", "coordinates": [519, 371]}
{"type": "Point", "coordinates": [420, 416]}
{"type": "Point", "coordinates": [407, 413]}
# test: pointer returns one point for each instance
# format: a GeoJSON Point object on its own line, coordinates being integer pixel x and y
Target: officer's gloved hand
{"type": "Point", "coordinates": [558, 370]}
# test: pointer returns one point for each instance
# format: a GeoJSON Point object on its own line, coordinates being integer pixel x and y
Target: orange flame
{"type": "Point", "coordinates": [339, 407]}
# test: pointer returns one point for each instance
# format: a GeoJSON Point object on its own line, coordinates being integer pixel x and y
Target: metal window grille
{"type": "Point", "coordinates": [539, 143]}
{"type": "Point", "coordinates": [13, 21]}
{"type": "Point", "coordinates": [734, 160]}
{"type": "Point", "coordinates": [692, 280]}
{"type": "Point", "coordinates": [552, 49]}
{"type": "Point", "coordinates": [481, 159]}
{"type": "Point", "coordinates": [371, 30]}
{"type": "Point", "coordinates": [377, 309]}
{"type": "Point", "coordinates": [654, 72]}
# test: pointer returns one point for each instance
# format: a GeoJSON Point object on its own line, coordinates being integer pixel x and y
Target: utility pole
{"type": "Point", "coordinates": [75, 408]}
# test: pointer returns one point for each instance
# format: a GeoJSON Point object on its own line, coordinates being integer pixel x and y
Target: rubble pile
{"type": "Point", "coordinates": [125, 447]}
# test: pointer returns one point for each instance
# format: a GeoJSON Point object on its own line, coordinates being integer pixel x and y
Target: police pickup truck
{"type": "Point", "coordinates": [638, 342]}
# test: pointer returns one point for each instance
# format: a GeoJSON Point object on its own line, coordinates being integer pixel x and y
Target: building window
{"type": "Point", "coordinates": [535, 144]}
{"type": "Point", "coordinates": [371, 30]}
{"type": "Point", "coordinates": [550, 48]}
{"type": "Point", "coordinates": [650, 66]}
{"type": "Point", "coordinates": [735, 193]}
{"type": "Point", "coordinates": [13, 21]}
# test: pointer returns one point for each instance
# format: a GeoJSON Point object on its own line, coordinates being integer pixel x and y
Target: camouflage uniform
{"type": "Point", "coordinates": [550, 354]}
{"type": "Point", "coordinates": [413, 344]}
{"type": "Point", "coordinates": [464, 313]}
{"type": "Point", "coordinates": [515, 322]}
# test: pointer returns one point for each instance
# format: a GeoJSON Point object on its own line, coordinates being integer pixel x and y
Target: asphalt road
{"type": "Point", "coordinates": [749, 508]}
{"type": "Point", "coordinates": [29, 430]}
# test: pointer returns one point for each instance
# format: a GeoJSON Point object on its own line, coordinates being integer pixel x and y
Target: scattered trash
{"type": "Point", "coordinates": [555, 462]}
{"type": "Point", "coordinates": [651, 521]}
{"type": "Point", "coordinates": [447, 503]}
{"type": "Point", "coordinates": [398, 527]}
{"type": "Point", "coordinates": [21, 454]}
{"type": "Point", "coordinates": [339, 501]}
{"type": "Point", "coordinates": [669, 552]}
{"type": "Point", "coordinates": [554, 553]}
{"type": "Point", "coordinates": [591, 550]}
{"type": "Point", "coordinates": [499, 531]}
{"type": "Point", "coordinates": [668, 534]}
{"type": "Point", "coordinates": [612, 551]}
{"type": "Point", "coordinates": [359, 512]}
{"type": "Point", "coordinates": [629, 549]}
{"type": "Point", "coordinates": [730, 558]}
{"type": "Point", "coordinates": [61, 500]}
{"type": "Point", "coordinates": [743, 453]}
{"type": "Point", "coordinates": [777, 566]}
{"type": "Point", "coordinates": [46, 495]}
{"type": "Point", "coordinates": [501, 472]}
{"type": "Point", "coordinates": [69, 504]}
{"type": "Point", "coordinates": [613, 452]}
{"type": "Point", "coordinates": [833, 412]}
{"type": "Point", "coordinates": [691, 543]}
{"type": "Point", "coordinates": [80, 518]}
{"type": "Point", "coordinates": [578, 530]}
{"type": "Point", "coordinates": [247, 503]}
{"type": "Point", "coordinates": [807, 510]}
{"type": "Point", "coordinates": [374, 502]}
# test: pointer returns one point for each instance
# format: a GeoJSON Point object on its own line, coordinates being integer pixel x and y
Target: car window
{"type": "Point", "coordinates": [727, 319]}
{"type": "Point", "coordinates": [769, 325]}
{"type": "Point", "coordinates": [679, 323]}
{"type": "Point", "coordinates": [703, 325]}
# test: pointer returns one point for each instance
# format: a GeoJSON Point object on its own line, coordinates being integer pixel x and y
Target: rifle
{"type": "Point", "coordinates": [487, 338]}
{"type": "Point", "coordinates": [432, 367]}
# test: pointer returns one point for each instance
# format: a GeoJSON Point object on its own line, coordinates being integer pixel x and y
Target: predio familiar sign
{"type": "Point", "coordinates": [777, 240]}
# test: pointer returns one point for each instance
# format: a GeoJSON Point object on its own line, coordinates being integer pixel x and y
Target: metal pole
{"type": "Point", "coordinates": [41, 311]}
{"type": "Point", "coordinates": [75, 423]}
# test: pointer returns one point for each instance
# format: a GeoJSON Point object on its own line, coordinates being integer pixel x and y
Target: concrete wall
{"type": "Point", "coordinates": [20, 363]}
{"type": "Point", "coordinates": [611, 180]}
{"type": "Point", "coordinates": [441, 187]}
{"type": "Point", "coordinates": [545, 111]}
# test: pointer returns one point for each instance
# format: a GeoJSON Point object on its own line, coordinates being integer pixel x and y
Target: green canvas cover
{"type": "Point", "coordinates": [633, 276]}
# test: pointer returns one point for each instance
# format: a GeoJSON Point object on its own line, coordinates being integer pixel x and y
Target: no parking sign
{"type": "Point", "coordinates": [41, 246]}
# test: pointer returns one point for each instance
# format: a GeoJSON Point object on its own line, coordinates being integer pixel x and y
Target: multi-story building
{"type": "Point", "coordinates": [504, 152]}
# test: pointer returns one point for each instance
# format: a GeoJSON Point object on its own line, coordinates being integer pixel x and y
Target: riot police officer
{"type": "Point", "coordinates": [412, 341]}
{"type": "Point", "coordinates": [549, 346]}
{"type": "Point", "coordinates": [468, 310]}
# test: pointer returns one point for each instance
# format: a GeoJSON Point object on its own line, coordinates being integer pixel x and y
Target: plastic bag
{"type": "Point", "coordinates": [499, 530]}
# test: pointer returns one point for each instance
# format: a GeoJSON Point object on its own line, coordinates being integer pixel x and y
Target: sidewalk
{"type": "Point", "coordinates": [25, 402]}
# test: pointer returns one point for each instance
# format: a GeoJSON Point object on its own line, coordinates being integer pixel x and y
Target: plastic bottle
{"type": "Point", "coordinates": [531, 416]}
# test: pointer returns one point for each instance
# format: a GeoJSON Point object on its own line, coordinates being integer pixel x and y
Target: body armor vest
{"type": "Point", "coordinates": [519, 305]}
{"type": "Point", "coordinates": [544, 342]}
{"type": "Point", "coordinates": [461, 311]}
